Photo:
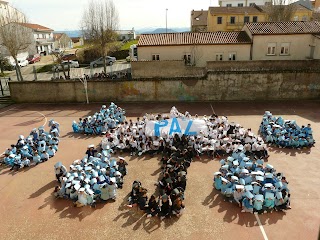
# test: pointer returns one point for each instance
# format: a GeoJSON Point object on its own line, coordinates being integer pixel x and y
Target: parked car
{"type": "Point", "coordinates": [57, 50]}
{"type": "Point", "coordinates": [21, 62]}
{"type": "Point", "coordinates": [99, 61]}
{"type": "Point", "coordinates": [65, 65]}
{"type": "Point", "coordinates": [34, 58]}
{"type": "Point", "coordinates": [69, 56]}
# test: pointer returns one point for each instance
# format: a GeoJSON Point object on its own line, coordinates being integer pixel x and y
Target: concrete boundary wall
{"type": "Point", "coordinates": [226, 86]}
{"type": "Point", "coordinates": [164, 69]}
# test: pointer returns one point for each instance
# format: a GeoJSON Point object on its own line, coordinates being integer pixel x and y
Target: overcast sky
{"type": "Point", "coordinates": [66, 14]}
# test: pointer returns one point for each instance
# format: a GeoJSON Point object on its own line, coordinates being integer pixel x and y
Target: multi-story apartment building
{"type": "Point", "coordinates": [234, 18]}
{"type": "Point", "coordinates": [242, 3]}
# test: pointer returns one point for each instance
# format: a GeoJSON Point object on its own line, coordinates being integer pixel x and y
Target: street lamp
{"type": "Point", "coordinates": [166, 20]}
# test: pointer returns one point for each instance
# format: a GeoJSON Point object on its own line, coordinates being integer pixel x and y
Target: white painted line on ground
{"type": "Point", "coordinates": [8, 110]}
{"type": "Point", "coordinates": [212, 109]}
{"type": "Point", "coordinates": [45, 122]}
{"type": "Point", "coordinates": [261, 227]}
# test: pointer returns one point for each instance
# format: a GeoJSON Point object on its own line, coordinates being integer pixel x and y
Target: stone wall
{"type": "Point", "coordinates": [164, 69]}
{"type": "Point", "coordinates": [265, 66]}
{"type": "Point", "coordinates": [221, 86]}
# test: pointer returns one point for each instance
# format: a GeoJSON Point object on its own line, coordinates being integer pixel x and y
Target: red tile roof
{"type": "Point", "coordinates": [190, 38]}
{"type": "Point", "coordinates": [295, 27]}
{"type": "Point", "coordinates": [57, 36]}
{"type": "Point", "coordinates": [37, 27]}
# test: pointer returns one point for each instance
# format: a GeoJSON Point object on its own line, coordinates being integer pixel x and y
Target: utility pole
{"type": "Point", "coordinates": [166, 20]}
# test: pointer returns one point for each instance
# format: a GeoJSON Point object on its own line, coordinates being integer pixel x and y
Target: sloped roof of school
{"type": "Point", "coordinates": [37, 27]}
{"type": "Point", "coordinates": [191, 38]}
{"type": "Point", "coordinates": [273, 28]}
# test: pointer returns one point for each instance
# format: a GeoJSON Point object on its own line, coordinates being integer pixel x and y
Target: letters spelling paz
{"type": "Point", "coordinates": [175, 126]}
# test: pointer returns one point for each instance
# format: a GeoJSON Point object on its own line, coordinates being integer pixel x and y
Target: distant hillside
{"type": "Point", "coordinates": [161, 30]}
{"type": "Point", "coordinates": [78, 33]}
{"type": "Point", "coordinates": [74, 33]}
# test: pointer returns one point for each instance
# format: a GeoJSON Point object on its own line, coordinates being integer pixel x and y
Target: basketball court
{"type": "Point", "coordinates": [29, 210]}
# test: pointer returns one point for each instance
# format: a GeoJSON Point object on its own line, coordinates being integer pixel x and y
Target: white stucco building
{"type": "Point", "coordinates": [43, 37]}
{"type": "Point", "coordinates": [296, 40]}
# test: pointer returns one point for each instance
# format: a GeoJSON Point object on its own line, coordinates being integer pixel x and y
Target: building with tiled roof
{"type": "Point", "coordinates": [199, 21]}
{"type": "Point", "coordinates": [37, 27]}
{"type": "Point", "coordinates": [62, 41]}
{"type": "Point", "coordinates": [43, 37]}
{"type": "Point", "coordinates": [284, 28]}
{"type": "Point", "coordinates": [191, 38]}
{"type": "Point", "coordinates": [195, 48]}
{"type": "Point", "coordinates": [242, 3]}
{"type": "Point", "coordinates": [284, 40]}
{"type": "Point", "coordinates": [233, 18]}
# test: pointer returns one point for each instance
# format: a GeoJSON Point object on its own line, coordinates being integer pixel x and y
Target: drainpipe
{"type": "Point", "coordinates": [251, 48]}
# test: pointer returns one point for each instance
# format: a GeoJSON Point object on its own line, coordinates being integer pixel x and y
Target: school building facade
{"type": "Point", "coordinates": [296, 40]}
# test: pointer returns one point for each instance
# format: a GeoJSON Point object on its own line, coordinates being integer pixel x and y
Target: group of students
{"type": "Point", "coordinates": [38, 147]}
{"type": "Point", "coordinates": [221, 138]}
{"type": "Point", "coordinates": [171, 186]}
{"type": "Point", "coordinates": [285, 133]}
{"type": "Point", "coordinates": [253, 186]}
{"type": "Point", "coordinates": [100, 122]}
{"type": "Point", "coordinates": [94, 178]}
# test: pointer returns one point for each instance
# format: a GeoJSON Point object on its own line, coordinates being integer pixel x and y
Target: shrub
{"type": "Point", "coordinates": [45, 68]}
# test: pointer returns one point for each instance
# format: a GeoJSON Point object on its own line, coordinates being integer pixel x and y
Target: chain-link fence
{"type": "Point", "coordinates": [72, 70]}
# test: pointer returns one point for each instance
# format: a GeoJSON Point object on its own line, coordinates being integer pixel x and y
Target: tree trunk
{"type": "Point", "coordinates": [104, 64]}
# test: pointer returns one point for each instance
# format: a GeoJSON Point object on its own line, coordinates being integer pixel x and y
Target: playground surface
{"type": "Point", "coordinates": [29, 210]}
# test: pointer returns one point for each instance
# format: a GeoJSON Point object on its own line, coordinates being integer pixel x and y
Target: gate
{"type": "Point", "coordinates": [4, 87]}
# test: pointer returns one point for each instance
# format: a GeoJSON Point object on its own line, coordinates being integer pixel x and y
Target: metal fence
{"type": "Point", "coordinates": [4, 86]}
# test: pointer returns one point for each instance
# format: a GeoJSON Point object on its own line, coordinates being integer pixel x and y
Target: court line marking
{"type": "Point", "coordinates": [45, 122]}
{"type": "Point", "coordinates": [8, 110]}
{"type": "Point", "coordinates": [261, 227]}
{"type": "Point", "coordinates": [212, 109]}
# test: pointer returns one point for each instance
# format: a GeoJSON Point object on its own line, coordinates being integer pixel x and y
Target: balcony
{"type": "Point", "coordinates": [44, 40]}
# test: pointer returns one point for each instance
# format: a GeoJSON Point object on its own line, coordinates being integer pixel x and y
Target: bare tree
{"type": "Point", "coordinates": [280, 10]}
{"type": "Point", "coordinates": [99, 22]}
{"type": "Point", "coordinates": [58, 59]}
{"type": "Point", "coordinates": [14, 37]}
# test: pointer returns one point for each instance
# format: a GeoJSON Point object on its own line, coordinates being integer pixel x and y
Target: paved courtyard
{"type": "Point", "coordinates": [28, 209]}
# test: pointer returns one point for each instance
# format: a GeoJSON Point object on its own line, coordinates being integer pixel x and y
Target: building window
{"type": "Point", "coordinates": [232, 20]}
{"type": "Point", "coordinates": [187, 58]}
{"type": "Point", "coordinates": [229, 5]}
{"type": "Point", "coordinates": [219, 56]}
{"type": "Point", "coordinates": [232, 56]}
{"type": "Point", "coordinates": [219, 20]}
{"type": "Point", "coordinates": [155, 57]}
{"type": "Point", "coordinates": [304, 18]}
{"type": "Point", "coordinates": [271, 49]}
{"type": "Point", "coordinates": [246, 19]}
{"type": "Point", "coordinates": [240, 4]}
{"type": "Point", "coordinates": [251, 4]}
{"type": "Point", "coordinates": [296, 18]}
{"type": "Point", "coordinates": [284, 49]}
{"type": "Point", "coordinates": [255, 19]}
